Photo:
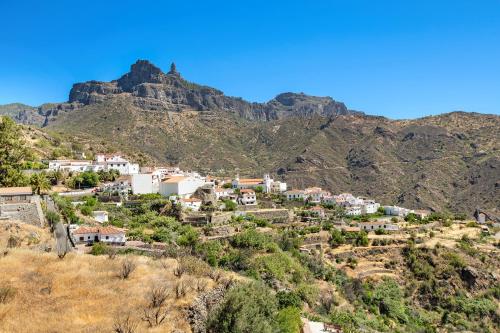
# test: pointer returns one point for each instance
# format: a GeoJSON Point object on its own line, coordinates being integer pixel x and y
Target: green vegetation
{"type": "Point", "coordinates": [13, 153]}
{"type": "Point", "coordinates": [230, 205]}
{"type": "Point", "coordinates": [99, 249]}
{"type": "Point", "coordinates": [251, 308]}
{"type": "Point", "coordinates": [66, 209]}
{"type": "Point", "coordinates": [83, 180]}
{"type": "Point", "coordinates": [40, 183]}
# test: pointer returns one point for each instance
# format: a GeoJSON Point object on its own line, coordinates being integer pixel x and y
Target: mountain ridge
{"type": "Point", "coordinates": [450, 161]}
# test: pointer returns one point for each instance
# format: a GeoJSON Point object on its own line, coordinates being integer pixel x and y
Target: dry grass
{"type": "Point", "coordinates": [83, 293]}
{"type": "Point", "coordinates": [26, 235]}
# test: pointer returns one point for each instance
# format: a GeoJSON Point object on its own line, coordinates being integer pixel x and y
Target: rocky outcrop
{"type": "Point", "coordinates": [154, 89]}
{"type": "Point", "coordinates": [198, 313]}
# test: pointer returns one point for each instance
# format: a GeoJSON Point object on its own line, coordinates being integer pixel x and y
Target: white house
{"type": "Point", "coordinates": [347, 199]}
{"type": "Point", "coordinates": [329, 200]}
{"type": "Point", "coordinates": [372, 226]}
{"type": "Point", "coordinates": [73, 165]}
{"type": "Point", "coordinates": [145, 183]}
{"type": "Point", "coordinates": [100, 216]}
{"type": "Point", "coordinates": [397, 211]}
{"type": "Point", "coordinates": [247, 183]}
{"type": "Point", "coordinates": [223, 192]}
{"type": "Point", "coordinates": [121, 185]}
{"type": "Point", "coordinates": [183, 186]}
{"type": "Point", "coordinates": [316, 194]}
{"type": "Point", "coordinates": [369, 207]}
{"type": "Point", "coordinates": [191, 203]}
{"type": "Point", "coordinates": [278, 187]}
{"type": "Point", "coordinates": [295, 195]}
{"type": "Point", "coordinates": [109, 235]}
{"type": "Point", "coordinates": [247, 197]}
{"type": "Point", "coordinates": [267, 183]}
{"type": "Point", "coordinates": [353, 210]}
{"type": "Point", "coordinates": [117, 162]}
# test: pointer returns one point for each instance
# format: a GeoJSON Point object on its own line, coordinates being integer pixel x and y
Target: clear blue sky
{"type": "Point", "coordinates": [400, 59]}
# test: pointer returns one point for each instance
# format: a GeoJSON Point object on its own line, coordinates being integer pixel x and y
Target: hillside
{"type": "Point", "coordinates": [22, 113]}
{"type": "Point", "coordinates": [446, 162]}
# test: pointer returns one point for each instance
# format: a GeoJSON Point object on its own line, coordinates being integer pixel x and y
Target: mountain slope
{"type": "Point", "coordinates": [451, 161]}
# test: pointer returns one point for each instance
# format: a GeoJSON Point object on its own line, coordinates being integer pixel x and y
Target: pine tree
{"type": "Point", "coordinates": [13, 153]}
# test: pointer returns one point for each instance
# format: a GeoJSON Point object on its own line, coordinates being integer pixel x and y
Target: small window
{"type": "Point", "coordinates": [81, 238]}
{"type": "Point", "coordinates": [107, 237]}
{"type": "Point", "coordinates": [88, 237]}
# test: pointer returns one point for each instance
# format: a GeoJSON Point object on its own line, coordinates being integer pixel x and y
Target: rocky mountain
{"type": "Point", "coordinates": [22, 113]}
{"type": "Point", "coordinates": [151, 89]}
{"type": "Point", "coordinates": [451, 161]}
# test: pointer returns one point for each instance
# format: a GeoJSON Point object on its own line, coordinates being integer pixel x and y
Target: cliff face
{"type": "Point", "coordinates": [153, 89]}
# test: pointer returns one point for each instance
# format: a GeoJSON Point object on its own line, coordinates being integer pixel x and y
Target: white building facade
{"type": "Point", "coordinates": [182, 186]}
{"type": "Point", "coordinates": [108, 235]}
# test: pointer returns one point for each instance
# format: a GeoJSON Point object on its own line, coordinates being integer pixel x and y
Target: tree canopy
{"type": "Point", "coordinates": [13, 153]}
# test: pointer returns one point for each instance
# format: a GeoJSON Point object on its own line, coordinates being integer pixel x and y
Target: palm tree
{"type": "Point", "coordinates": [56, 177]}
{"type": "Point", "coordinates": [40, 182]}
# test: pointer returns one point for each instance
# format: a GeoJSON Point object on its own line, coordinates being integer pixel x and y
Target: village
{"type": "Point", "coordinates": [209, 201]}
{"type": "Point", "coordinates": [110, 202]}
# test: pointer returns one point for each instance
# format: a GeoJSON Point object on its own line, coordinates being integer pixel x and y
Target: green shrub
{"type": "Point", "coordinates": [230, 205]}
{"type": "Point", "coordinates": [361, 239]}
{"type": "Point", "coordinates": [308, 293]}
{"type": "Point", "coordinates": [86, 210]}
{"type": "Point", "coordinates": [288, 320]}
{"type": "Point", "coordinates": [251, 238]}
{"type": "Point", "coordinates": [99, 249]}
{"type": "Point", "coordinates": [388, 300]}
{"type": "Point", "coordinates": [52, 218]}
{"type": "Point", "coordinates": [278, 266]}
{"type": "Point", "coordinates": [337, 238]}
{"type": "Point", "coordinates": [245, 308]}
{"type": "Point", "coordinates": [288, 299]}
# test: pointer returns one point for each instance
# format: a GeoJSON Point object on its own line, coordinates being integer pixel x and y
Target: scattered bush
{"type": "Point", "coordinates": [126, 268]}
{"type": "Point", "coordinates": [125, 323]}
{"type": "Point", "coordinates": [155, 311]}
{"type": "Point", "coordinates": [6, 294]}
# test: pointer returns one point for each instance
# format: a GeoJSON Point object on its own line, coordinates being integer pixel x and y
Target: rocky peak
{"type": "Point", "coordinates": [305, 105]}
{"type": "Point", "coordinates": [141, 72]}
{"type": "Point", "coordinates": [173, 70]}
{"type": "Point", "coordinates": [153, 89]}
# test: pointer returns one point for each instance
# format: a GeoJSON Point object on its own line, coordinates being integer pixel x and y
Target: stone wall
{"type": "Point", "coordinates": [221, 218]}
{"type": "Point", "coordinates": [24, 212]}
{"type": "Point", "coordinates": [273, 215]}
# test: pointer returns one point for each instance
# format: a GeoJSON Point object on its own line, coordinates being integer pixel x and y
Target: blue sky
{"type": "Point", "coordinates": [400, 59]}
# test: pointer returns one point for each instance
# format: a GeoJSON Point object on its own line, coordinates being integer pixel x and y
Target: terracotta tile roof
{"type": "Point", "coordinates": [251, 181]}
{"type": "Point", "coordinates": [26, 190]}
{"type": "Point", "coordinates": [247, 190]}
{"type": "Point", "coordinates": [86, 230]}
{"type": "Point", "coordinates": [98, 230]}
{"type": "Point", "coordinates": [174, 179]}
{"type": "Point", "coordinates": [110, 231]}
